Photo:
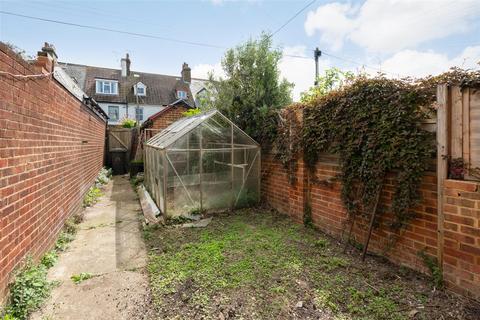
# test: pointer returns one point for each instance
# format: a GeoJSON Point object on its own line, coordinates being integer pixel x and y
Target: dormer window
{"type": "Point", "coordinates": [106, 86]}
{"type": "Point", "coordinates": [140, 89]}
{"type": "Point", "coordinates": [181, 94]}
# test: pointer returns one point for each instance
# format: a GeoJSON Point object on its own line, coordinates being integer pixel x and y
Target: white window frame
{"type": "Point", "coordinates": [118, 112]}
{"type": "Point", "coordinates": [101, 84]}
{"type": "Point", "coordinates": [179, 96]}
{"type": "Point", "coordinates": [140, 86]}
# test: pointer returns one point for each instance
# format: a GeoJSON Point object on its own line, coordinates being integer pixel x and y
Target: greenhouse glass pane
{"type": "Point", "coordinates": [216, 180]}
{"type": "Point", "coordinates": [183, 192]}
{"type": "Point", "coordinates": [216, 133]}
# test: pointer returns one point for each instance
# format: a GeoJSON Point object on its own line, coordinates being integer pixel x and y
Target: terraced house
{"type": "Point", "coordinates": [123, 93]}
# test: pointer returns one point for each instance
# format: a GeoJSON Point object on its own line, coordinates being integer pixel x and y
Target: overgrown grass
{"type": "Point", "coordinates": [259, 255]}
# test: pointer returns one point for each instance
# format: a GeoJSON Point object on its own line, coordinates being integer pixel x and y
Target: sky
{"type": "Point", "coordinates": [397, 37]}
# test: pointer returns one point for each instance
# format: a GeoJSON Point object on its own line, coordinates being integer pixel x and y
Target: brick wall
{"type": "Point", "coordinates": [169, 116]}
{"type": "Point", "coordinates": [51, 149]}
{"type": "Point", "coordinates": [462, 218]}
{"type": "Point", "coordinates": [462, 236]}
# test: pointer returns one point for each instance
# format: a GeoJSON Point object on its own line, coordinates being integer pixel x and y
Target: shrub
{"type": "Point", "coordinates": [128, 123]}
{"type": "Point", "coordinates": [191, 112]}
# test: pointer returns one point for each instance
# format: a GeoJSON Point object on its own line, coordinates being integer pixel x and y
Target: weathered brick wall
{"type": "Point", "coordinates": [462, 226]}
{"type": "Point", "coordinates": [168, 117]}
{"type": "Point", "coordinates": [51, 149]}
{"type": "Point", "coordinates": [461, 260]}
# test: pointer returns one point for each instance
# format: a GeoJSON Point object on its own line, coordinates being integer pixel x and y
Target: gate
{"type": "Point", "coordinates": [120, 148]}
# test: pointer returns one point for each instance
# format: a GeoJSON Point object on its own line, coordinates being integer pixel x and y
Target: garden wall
{"type": "Point", "coordinates": [462, 218]}
{"type": "Point", "coordinates": [51, 149]}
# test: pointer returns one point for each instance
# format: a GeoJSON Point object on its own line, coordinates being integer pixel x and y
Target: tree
{"type": "Point", "coordinates": [334, 78]}
{"type": "Point", "coordinates": [252, 91]}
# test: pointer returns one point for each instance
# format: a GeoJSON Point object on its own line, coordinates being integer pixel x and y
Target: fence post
{"type": "Point", "coordinates": [442, 161]}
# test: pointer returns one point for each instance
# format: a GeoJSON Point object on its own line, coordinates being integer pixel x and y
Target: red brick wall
{"type": "Point", "coordinates": [168, 117]}
{"type": "Point", "coordinates": [51, 149]}
{"type": "Point", "coordinates": [462, 219]}
{"type": "Point", "coordinates": [462, 236]}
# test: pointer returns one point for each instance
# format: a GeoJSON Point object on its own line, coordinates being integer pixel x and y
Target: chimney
{"type": "Point", "coordinates": [125, 62]}
{"type": "Point", "coordinates": [186, 73]}
{"type": "Point", "coordinates": [47, 57]}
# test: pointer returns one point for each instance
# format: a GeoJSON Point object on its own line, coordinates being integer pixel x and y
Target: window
{"type": "Point", "coordinates": [139, 114]}
{"type": "Point", "coordinates": [181, 94]}
{"type": "Point", "coordinates": [107, 86]}
{"type": "Point", "coordinates": [113, 113]}
{"type": "Point", "coordinates": [140, 89]}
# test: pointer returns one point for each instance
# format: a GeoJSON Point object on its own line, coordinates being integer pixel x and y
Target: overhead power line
{"type": "Point", "coordinates": [292, 18]}
{"type": "Point", "coordinates": [137, 34]}
{"type": "Point", "coordinates": [192, 43]}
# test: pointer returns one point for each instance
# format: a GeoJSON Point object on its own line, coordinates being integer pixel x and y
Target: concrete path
{"type": "Point", "coordinates": [109, 246]}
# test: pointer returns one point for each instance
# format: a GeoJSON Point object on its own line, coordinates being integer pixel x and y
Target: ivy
{"type": "Point", "coordinates": [287, 143]}
{"type": "Point", "coordinates": [374, 126]}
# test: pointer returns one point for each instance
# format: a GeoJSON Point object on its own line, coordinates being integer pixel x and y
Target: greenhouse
{"type": "Point", "coordinates": [202, 163]}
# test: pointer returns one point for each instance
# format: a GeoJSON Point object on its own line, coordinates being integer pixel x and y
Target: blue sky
{"type": "Point", "coordinates": [398, 37]}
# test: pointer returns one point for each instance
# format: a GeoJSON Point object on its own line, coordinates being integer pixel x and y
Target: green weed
{"type": "Point", "coordinates": [78, 278]}
{"type": "Point", "coordinates": [29, 290]}
{"type": "Point", "coordinates": [49, 259]}
{"type": "Point", "coordinates": [92, 196]}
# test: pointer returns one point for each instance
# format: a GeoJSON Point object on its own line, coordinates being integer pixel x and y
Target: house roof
{"type": "Point", "coordinates": [161, 89]}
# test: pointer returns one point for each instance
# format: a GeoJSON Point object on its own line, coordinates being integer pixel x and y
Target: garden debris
{"type": "Point", "coordinates": [299, 305]}
{"type": "Point", "coordinates": [149, 208]}
{"type": "Point", "coordinates": [197, 224]}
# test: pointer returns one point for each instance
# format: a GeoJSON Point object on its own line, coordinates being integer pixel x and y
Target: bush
{"type": "Point", "coordinates": [128, 123]}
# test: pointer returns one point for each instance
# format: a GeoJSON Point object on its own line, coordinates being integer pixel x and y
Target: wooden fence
{"type": "Point", "coordinates": [120, 146]}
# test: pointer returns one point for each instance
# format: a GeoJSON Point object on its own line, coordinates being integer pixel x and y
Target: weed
{"type": "Point", "coordinates": [321, 243]}
{"type": "Point", "coordinates": [103, 176]}
{"type": "Point", "coordinates": [29, 290]}
{"type": "Point", "coordinates": [63, 240]}
{"type": "Point", "coordinates": [77, 278]}
{"type": "Point", "coordinates": [7, 317]}
{"type": "Point", "coordinates": [70, 226]}
{"type": "Point", "coordinates": [49, 259]}
{"type": "Point", "coordinates": [307, 215]}
{"type": "Point", "coordinates": [435, 270]}
{"type": "Point", "coordinates": [92, 196]}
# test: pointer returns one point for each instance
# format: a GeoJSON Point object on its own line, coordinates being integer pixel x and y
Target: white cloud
{"type": "Point", "coordinates": [203, 70]}
{"type": "Point", "coordinates": [419, 64]}
{"type": "Point", "coordinates": [390, 25]}
{"type": "Point", "coordinates": [300, 71]}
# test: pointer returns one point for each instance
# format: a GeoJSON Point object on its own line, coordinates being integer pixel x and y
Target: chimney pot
{"type": "Point", "coordinates": [186, 73]}
{"type": "Point", "coordinates": [125, 63]}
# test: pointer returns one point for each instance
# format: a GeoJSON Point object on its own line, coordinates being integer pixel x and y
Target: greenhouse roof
{"type": "Point", "coordinates": [183, 126]}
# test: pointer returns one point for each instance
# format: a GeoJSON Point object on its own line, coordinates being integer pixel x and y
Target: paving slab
{"type": "Point", "coordinates": [109, 246]}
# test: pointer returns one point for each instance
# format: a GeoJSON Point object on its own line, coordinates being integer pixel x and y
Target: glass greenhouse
{"type": "Point", "coordinates": [204, 162]}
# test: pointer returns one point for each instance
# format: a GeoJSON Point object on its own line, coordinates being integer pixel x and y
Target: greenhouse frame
{"type": "Point", "coordinates": [202, 163]}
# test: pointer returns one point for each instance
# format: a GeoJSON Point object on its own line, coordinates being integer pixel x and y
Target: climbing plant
{"type": "Point", "coordinates": [287, 143]}
{"type": "Point", "coordinates": [374, 126]}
